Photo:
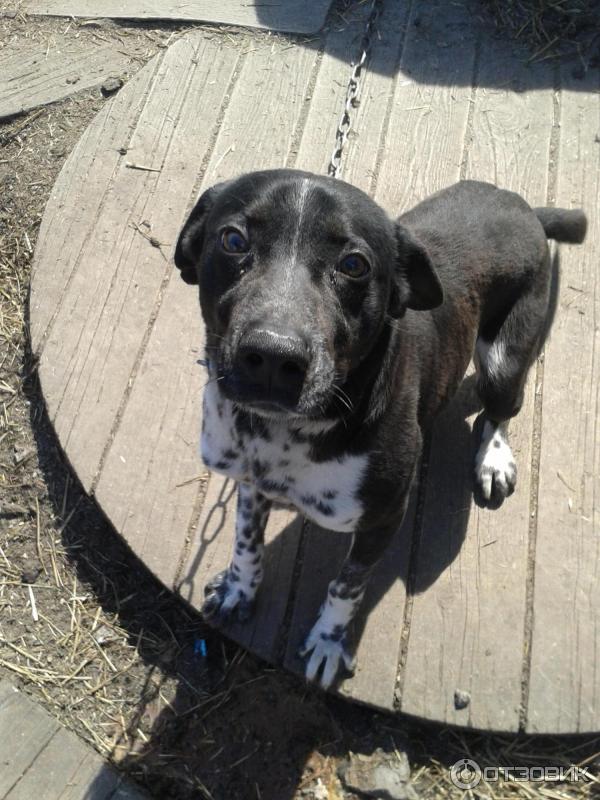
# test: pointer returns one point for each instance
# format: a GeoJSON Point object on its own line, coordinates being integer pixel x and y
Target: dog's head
{"type": "Point", "coordinates": [298, 275]}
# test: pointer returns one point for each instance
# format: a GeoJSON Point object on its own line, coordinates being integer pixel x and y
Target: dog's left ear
{"type": "Point", "coordinates": [417, 285]}
{"type": "Point", "coordinates": [191, 239]}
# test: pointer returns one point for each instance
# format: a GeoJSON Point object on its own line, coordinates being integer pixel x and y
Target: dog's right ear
{"type": "Point", "coordinates": [191, 239]}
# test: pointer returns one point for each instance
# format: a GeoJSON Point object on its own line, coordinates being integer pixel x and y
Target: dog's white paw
{"type": "Point", "coordinates": [328, 650]}
{"type": "Point", "coordinates": [226, 596]}
{"type": "Point", "coordinates": [495, 468]}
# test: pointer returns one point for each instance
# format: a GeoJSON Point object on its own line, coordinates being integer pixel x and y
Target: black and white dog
{"type": "Point", "coordinates": [334, 335]}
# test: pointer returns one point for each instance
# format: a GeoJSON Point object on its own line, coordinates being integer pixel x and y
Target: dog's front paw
{"type": "Point", "coordinates": [224, 597]}
{"type": "Point", "coordinates": [495, 469]}
{"type": "Point", "coordinates": [327, 648]}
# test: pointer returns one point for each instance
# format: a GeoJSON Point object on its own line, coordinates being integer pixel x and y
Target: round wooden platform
{"type": "Point", "coordinates": [499, 608]}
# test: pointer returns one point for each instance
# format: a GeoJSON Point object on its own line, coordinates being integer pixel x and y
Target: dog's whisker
{"type": "Point", "coordinates": [343, 398]}
{"type": "Point", "coordinates": [216, 335]}
{"type": "Point", "coordinates": [343, 402]}
{"type": "Point", "coordinates": [213, 380]}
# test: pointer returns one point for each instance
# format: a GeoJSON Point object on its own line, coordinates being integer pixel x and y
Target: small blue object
{"type": "Point", "coordinates": [200, 648]}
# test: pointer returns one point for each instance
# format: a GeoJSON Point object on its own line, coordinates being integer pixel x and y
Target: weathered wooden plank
{"type": "Point", "coordinates": [378, 629]}
{"type": "Point", "coordinates": [360, 154]}
{"type": "Point", "coordinates": [36, 75]}
{"type": "Point", "coordinates": [105, 311]}
{"type": "Point", "coordinates": [53, 769]}
{"type": "Point", "coordinates": [422, 149]}
{"type": "Point", "coordinates": [564, 691]}
{"type": "Point", "coordinates": [6, 692]}
{"type": "Point", "coordinates": [322, 556]}
{"type": "Point", "coordinates": [265, 113]}
{"type": "Point", "coordinates": [370, 124]}
{"type": "Point", "coordinates": [94, 779]}
{"type": "Point", "coordinates": [473, 562]}
{"type": "Point", "coordinates": [24, 731]}
{"type": "Point", "coordinates": [67, 769]}
{"type": "Point", "coordinates": [412, 105]}
{"type": "Point", "coordinates": [165, 401]}
{"type": "Point", "coordinates": [42, 760]}
{"type": "Point", "coordinates": [286, 15]}
{"type": "Point", "coordinates": [157, 441]}
{"type": "Point", "coordinates": [77, 199]}
{"type": "Point", "coordinates": [212, 544]}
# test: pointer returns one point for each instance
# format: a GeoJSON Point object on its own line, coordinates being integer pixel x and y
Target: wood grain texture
{"type": "Point", "coordinates": [41, 760]}
{"type": "Point", "coordinates": [286, 15]}
{"type": "Point", "coordinates": [422, 148]}
{"type": "Point", "coordinates": [91, 349]}
{"type": "Point", "coordinates": [77, 200]}
{"type": "Point", "coordinates": [342, 48]}
{"type": "Point", "coordinates": [24, 732]}
{"type": "Point", "coordinates": [37, 75]}
{"type": "Point", "coordinates": [564, 692]}
{"type": "Point", "coordinates": [370, 125]}
{"type": "Point", "coordinates": [467, 628]}
{"type": "Point", "coordinates": [153, 510]}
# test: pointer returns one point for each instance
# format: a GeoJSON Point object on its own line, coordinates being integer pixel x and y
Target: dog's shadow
{"type": "Point", "coordinates": [441, 502]}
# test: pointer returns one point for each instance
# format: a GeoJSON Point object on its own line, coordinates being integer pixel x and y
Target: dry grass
{"type": "Point", "coordinates": [553, 28]}
{"type": "Point", "coordinates": [86, 631]}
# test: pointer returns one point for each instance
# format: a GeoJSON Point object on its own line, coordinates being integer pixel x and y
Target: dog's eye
{"type": "Point", "coordinates": [354, 266]}
{"type": "Point", "coordinates": [232, 241]}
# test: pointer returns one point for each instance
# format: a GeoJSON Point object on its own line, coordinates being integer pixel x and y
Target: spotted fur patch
{"type": "Point", "coordinates": [275, 457]}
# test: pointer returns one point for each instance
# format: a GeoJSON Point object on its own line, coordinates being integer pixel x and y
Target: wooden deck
{"type": "Point", "coordinates": [41, 760]}
{"type": "Point", "coordinates": [284, 15]}
{"type": "Point", "coordinates": [503, 605]}
{"type": "Point", "coordinates": [36, 74]}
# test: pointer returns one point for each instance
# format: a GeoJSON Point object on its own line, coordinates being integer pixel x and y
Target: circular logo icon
{"type": "Point", "coordinates": [465, 773]}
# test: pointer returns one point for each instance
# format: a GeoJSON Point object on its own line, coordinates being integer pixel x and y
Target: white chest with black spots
{"type": "Point", "coordinates": [279, 464]}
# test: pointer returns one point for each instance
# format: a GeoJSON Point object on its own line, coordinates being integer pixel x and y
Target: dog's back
{"type": "Point", "coordinates": [488, 245]}
{"type": "Point", "coordinates": [490, 251]}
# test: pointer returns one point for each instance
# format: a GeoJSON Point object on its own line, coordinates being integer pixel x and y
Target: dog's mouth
{"type": "Point", "coordinates": [265, 400]}
{"type": "Point", "coordinates": [298, 401]}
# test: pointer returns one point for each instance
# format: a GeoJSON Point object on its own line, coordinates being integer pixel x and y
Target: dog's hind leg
{"type": "Point", "coordinates": [234, 589]}
{"type": "Point", "coordinates": [503, 358]}
{"type": "Point", "coordinates": [495, 467]}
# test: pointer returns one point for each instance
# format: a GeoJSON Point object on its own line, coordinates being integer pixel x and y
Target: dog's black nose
{"type": "Point", "coordinates": [274, 362]}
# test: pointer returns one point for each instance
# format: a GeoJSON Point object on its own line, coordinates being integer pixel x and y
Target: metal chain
{"type": "Point", "coordinates": [353, 91]}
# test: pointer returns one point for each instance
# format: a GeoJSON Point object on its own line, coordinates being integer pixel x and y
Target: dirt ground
{"type": "Point", "coordinates": [87, 632]}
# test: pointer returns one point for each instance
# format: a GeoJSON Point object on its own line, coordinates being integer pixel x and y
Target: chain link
{"type": "Point", "coordinates": [353, 91]}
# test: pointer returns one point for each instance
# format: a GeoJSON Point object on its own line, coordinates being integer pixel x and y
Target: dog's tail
{"type": "Point", "coordinates": [562, 224]}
